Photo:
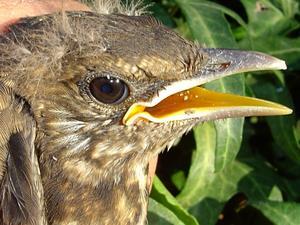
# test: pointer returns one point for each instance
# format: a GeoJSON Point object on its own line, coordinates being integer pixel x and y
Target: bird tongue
{"type": "Point", "coordinates": [204, 104]}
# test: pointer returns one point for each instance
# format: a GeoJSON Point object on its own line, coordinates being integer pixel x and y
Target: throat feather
{"type": "Point", "coordinates": [121, 200]}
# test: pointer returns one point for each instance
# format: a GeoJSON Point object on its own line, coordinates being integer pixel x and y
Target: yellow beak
{"type": "Point", "coordinates": [184, 99]}
{"type": "Point", "coordinates": [203, 104]}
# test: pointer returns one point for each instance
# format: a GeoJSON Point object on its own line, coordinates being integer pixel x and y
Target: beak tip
{"type": "Point", "coordinates": [289, 111]}
{"type": "Point", "coordinates": [272, 62]}
{"type": "Point", "coordinates": [285, 111]}
{"type": "Point", "coordinates": [280, 64]}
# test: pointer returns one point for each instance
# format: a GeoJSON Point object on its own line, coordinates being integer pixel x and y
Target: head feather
{"type": "Point", "coordinates": [128, 7]}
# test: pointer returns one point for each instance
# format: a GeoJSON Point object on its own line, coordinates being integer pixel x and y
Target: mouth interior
{"type": "Point", "coordinates": [199, 102]}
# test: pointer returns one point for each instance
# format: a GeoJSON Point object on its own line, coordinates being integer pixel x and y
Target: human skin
{"type": "Point", "coordinates": [11, 11]}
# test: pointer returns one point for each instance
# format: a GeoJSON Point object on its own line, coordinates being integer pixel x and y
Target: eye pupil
{"type": "Point", "coordinates": [108, 90]}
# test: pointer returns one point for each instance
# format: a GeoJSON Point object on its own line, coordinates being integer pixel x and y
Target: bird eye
{"type": "Point", "coordinates": [109, 90]}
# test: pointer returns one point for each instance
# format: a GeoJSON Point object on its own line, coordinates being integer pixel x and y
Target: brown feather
{"type": "Point", "coordinates": [21, 191]}
{"type": "Point", "coordinates": [93, 168]}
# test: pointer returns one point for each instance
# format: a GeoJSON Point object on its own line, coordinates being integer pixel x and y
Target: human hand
{"type": "Point", "coordinates": [12, 10]}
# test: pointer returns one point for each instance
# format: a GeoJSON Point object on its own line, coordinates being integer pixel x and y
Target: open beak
{"type": "Point", "coordinates": [185, 100]}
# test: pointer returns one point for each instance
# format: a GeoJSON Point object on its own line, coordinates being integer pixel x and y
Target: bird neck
{"type": "Point", "coordinates": [75, 194]}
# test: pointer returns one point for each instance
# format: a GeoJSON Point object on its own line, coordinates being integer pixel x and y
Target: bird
{"type": "Point", "coordinates": [87, 99]}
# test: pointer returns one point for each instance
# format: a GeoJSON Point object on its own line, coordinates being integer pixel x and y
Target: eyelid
{"type": "Point", "coordinates": [84, 88]}
{"type": "Point", "coordinates": [119, 90]}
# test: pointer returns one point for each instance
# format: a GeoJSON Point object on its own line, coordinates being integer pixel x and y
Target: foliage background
{"type": "Point", "coordinates": [236, 171]}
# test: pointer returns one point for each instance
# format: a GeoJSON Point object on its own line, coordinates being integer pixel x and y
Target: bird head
{"type": "Point", "coordinates": [110, 90]}
{"type": "Point", "coordinates": [106, 94]}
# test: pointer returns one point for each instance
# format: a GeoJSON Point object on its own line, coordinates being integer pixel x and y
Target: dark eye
{"type": "Point", "coordinates": [109, 90]}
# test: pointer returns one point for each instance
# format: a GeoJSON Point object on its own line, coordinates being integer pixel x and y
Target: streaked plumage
{"type": "Point", "coordinates": [67, 158]}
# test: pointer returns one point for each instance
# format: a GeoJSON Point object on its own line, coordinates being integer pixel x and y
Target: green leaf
{"type": "Point", "coordinates": [269, 22]}
{"type": "Point", "coordinates": [201, 171]}
{"type": "Point", "coordinates": [276, 194]}
{"type": "Point", "coordinates": [282, 127]}
{"type": "Point", "coordinates": [207, 23]}
{"type": "Point", "coordinates": [163, 196]}
{"type": "Point", "coordinates": [287, 213]}
{"type": "Point", "coordinates": [290, 7]}
{"type": "Point", "coordinates": [178, 179]}
{"type": "Point", "coordinates": [265, 19]}
{"type": "Point", "coordinates": [209, 26]}
{"type": "Point", "coordinates": [297, 133]}
{"type": "Point", "coordinates": [205, 192]}
{"type": "Point", "coordinates": [251, 177]}
{"type": "Point", "coordinates": [158, 214]}
{"type": "Point", "coordinates": [291, 188]}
